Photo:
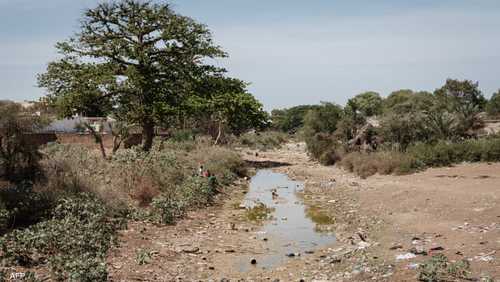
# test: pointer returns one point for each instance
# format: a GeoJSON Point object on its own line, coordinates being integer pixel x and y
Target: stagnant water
{"type": "Point", "coordinates": [290, 230]}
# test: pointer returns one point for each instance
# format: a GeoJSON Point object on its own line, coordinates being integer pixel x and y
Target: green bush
{"type": "Point", "coordinates": [266, 140]}
{"type": "Point", "coordinates": [167, 209]}
{"type": "Point", "coordinates": [74, 241]}
{"type": "Point", "coordinates": [21, 206]}
{"type": "Point", "coordinates": [446, 153]}
{"type": "Point", "coordinates": [422, 156]}
{"type": "Point", "coordinates": [439, 268]}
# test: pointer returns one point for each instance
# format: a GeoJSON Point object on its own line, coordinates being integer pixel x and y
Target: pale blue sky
{"type": "Point", "coordinates": [294, 52]}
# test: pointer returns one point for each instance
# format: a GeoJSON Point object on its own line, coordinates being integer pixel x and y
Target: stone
{"type": "Point", "coordinates": [396, 247]}
{"type": "Point", "coordinates": [192, 250]}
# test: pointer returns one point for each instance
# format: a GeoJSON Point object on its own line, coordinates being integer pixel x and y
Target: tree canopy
{"type": "Point", "coordinates": [291, 119]}
{"type": "Point", "coordinates": [368, 103]}
{"type": "Point", "coordinates": [456, 94]}
{"type": "Point", "coordinates": [136, 60]}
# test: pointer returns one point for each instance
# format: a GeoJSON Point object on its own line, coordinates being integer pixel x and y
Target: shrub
{"type": "Point", "coordinates": [439, 268]}
{"type": "Point", "coordinates": [319, 143]}
{"type": "Point", "coordinates": [421, 156]}
{"type": "Point", "coordinates": [446, 153]}
{"type": "Point", "coordinates": [266, 140]}
{"type": "Point", "coordinates": [222, 162]}
{"type": "Point", "coordinates": [383, 162]}
{"type": "Point", "coordinates": [21, 206]}
{"type": "Point", "coordinates": [132, 177]}
{"type": "Point", "coordinates": [167, 209]}
{"type": "Point", "coordinates": [143, 257]}
{"type": "Point", "coordinates": [182, 136]}
{"type": "Point", "coordinates": [197, 191]}
{"type": "Point", "coordinates": [74, 241]}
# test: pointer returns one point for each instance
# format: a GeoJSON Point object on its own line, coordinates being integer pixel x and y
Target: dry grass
{"type": "Point", "coordinates": [133, 177]}
{"type": "Point", "coordinates": [388, 162]}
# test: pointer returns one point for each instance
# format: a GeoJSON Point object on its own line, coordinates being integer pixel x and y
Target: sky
{"type": "Point", "coordinates": [293, 52]}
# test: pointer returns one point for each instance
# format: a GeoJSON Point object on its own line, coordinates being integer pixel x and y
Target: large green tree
{"type": "Point", "coordinates": [456, 94]}
{"type": "Point", "coordinates": [291, 119]}
{"type": "Point", "coordinates": [138, 59]}
{"type": "Point", "coordinates": [225, 103]}
{"type": "Point", "coordinates": [368, 103]}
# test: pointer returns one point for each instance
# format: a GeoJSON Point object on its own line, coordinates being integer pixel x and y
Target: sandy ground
{"type": "Point", "coordinates": [454, 211]}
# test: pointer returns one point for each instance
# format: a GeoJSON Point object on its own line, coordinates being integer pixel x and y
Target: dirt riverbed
{"type": "Point", "coordinates": [454, 211]}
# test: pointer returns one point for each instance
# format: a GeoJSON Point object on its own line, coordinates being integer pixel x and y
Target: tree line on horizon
{"type": "Point", "coordinates": [371, 103]}
{"type": "Point", "coordinates": [401, 124]}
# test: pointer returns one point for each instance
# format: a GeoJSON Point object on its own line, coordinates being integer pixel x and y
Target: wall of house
{"type": "Point", "coordinates": [86, 140]}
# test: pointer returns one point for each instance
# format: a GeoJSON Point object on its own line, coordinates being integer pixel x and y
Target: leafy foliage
{"type": "Point", "coordinates": [290, 120]}
{"type": "Point", "coordinates": [455, 94]}
{"type": "Point", "coordinates": [493, 106]}
{"type": "Point", "coordinates": [265, 140]}
{"type": "Point", "coordinates": [18, 156]}
{"type": "Point", "coordinates": [421, 156]}
{"type": "Point", "coordinates": [137, 59]}
{"type": "Point", "coordinates": [74, 241]}
{"type": "Point", "coordinates": [319, 126]}
{"type": "Point", "coordinates": [368, 103]}
{"type": "Point", "coordinates": [439, 268]}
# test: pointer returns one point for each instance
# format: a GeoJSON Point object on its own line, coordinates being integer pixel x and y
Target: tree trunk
{"type": "Point", "coordinates": [117, 142]}
{"type": "Point", "coordinates": [219, 134]}
{"type": "Point", "coordinates": [148, 133]}
{"type": "Point", "coordinates": [98, 139]}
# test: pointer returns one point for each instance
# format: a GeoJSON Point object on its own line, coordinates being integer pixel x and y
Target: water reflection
{"type": "Point", "coordinates": [292, 229]}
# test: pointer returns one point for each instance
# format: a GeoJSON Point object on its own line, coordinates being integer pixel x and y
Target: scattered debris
{"type": "Point", "coordinates": [418, 250]}
{"type": "Point", "coordinates": [405, 256]}
{"type": "Point", "coordinates": [488, 257]}
{"type": "Point", "coordinates": [412, 266]}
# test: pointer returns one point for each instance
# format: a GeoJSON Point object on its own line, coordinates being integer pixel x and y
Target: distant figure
{"type": "Point", "coordinates": [200, 170]}
{"type": "Point", "coordinates": [274, 194]}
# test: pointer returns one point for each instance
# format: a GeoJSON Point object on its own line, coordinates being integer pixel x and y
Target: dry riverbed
{"type": "Point", "coordinates": [454, 211]}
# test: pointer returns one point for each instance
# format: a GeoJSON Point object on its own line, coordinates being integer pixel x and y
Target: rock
{"type": "Point", "coordinates": [192, 250]}
{"type": "Point", "coordinates": [438, 248]}
{"type": "Point", "coordinates": [230, 251]}
{"type": "Point", "coordinates": [396, 247]}
{"type": "Point", "coordinates": [291, 255]}
{"type": "Point", "coordinates": [211, 268]}
{"type": "Point", "coordinates": [335, 260]}
{"type": "Point", "coordinates": [253, 261]}
{"type": "Point", "coordinates": [363, 245]}
{"type": "Point", "coordinates": [264, 239]}
{"type": "Point", "coordinates": [309, 252]}
{"type": "Point", "coordinates": [418, 250]}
